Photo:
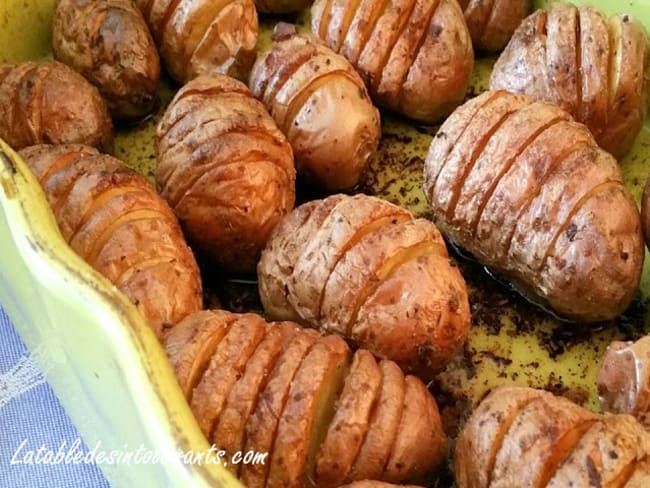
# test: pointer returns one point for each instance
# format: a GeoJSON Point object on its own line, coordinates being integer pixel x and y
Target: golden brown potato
{"type": "Point", "coordinates": [415, 57]}
{"type": "Point", "coordinates": [370, 271]}
{"type": "Point", "coordinates": [529, 193]}
{"type": "Point", "coordinates": [225, 168]}
{"type": "Point", "coordinates": [49, 103]}
{"type": "Point", "coordinates": [524, 437]}
{"type": "Point", "coordinates": [286, 391]}
{"type": "Point", "coordinates": [596, 69]}
{"type": "Point", "coordinates": [109, 43]}
{"type": "Point", "coordinates": [203, 37]}
{"type": "Point", "coordinates": [321, 104]}
{"type": "Point", "coordinates": [114, 219]}
{"type": "Point", "coordinates": [491, 23]}
{"type": "Point", "coordinates": [624, 379]}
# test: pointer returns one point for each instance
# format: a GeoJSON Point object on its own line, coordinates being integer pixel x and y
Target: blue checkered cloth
{"type": "Point", "coordinates": [35, 418]}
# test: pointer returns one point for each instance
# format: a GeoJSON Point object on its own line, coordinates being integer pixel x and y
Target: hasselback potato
{"type": "Point", "coordinates": [199, 37]}
{"type": "Point", "coordinates": [491, 23]}
{"type": "Point", "coordinates": [367, 269]}
{"type": "Point", "coordinates": [624, 379]}
{"type": "Point", "coordinates": [109, 43]}
{"type": "Point", "coordinates": [595, 69]}
{"type": "Point", "coordinates": [320, 103]}
{"type": "Point", "coordinates": [319, 411]}
{"type": "Point", "coordinates": [415, 56]}
{"type": "Point", "coordinates": [50, 103]}
{"type": "Point", "coordinates": [529, 193]}
{"type": "Point", "coordinates": [524, 438]}
{"type": "Point", "coordinates": [114, 219]}
{"type": "Point", "coordinates": [225, 168]}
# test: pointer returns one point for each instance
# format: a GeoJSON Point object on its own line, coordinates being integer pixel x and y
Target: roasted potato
{"type": "Point", "coordinates": [273, 388]}
{"type": "Point", "coordinates": [520, 437]}
{"type": "Point", "coordinates": [321, 104]}
{"type": "Point", "coordinates": [624, 379]}
{"type": "Point", "coordinates": [109, 43]}
{"type": "Point", "coordinates": [416, 58]}
{"type": "Point", "coordinates": [491, 23]}
{"type": "Point", "coordinates": [528, 192]}
{"type": "Point", "coordinates": [225, 168]}
{"type": "Point", "coordinates": [375, 484]}
{"type": "Point", "coordinates": [368, 270]}
{"type": "Point", "coordinates": [596, 69]}
{"type": "Point", "coordinates": [114, 219]}
{"type": "Point", "coordinates": [50, 103]}
{"type": "Point", "coordinates": [203, 37]}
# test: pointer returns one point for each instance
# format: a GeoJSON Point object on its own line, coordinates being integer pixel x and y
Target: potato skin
{"type": "Point", "coordinates": [320, 103]}
{"type": "Point", "coordinates": [49, 103]}
{"type": "Point", "coordinates": [491, 23]}
{"type": "Point", "coordinates": [368, 270]}
{"type": "Point", "coordinates": [600, 77]}
{"type": "Point", "coordinates": [108, 42]}
{"type": "Point", "coordinates": [203, 37]}
{"type": "Point", "coordinates": [547, 439]}
{"type": "Point", "coordinates": [225, 168]}
{"type": "Point", "coordinates": [290, 409]}
{"type": "Point", "coordinates": [415, 56]}
{"type": "Point", "coordinates": [529, 193]}
{"type": "Point", "coordinates": [624, 379]}
{"type": "Point", "coordinates": [114, 219]}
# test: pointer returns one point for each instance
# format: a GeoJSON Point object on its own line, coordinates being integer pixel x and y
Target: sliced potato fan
{"type": "Point", "coordinates": [528, 192]}
{"type": "Point", "coordinates": [595, 68]}
{"type": "Point", "coordinates": [225, 169]}
{"type": "Point", "coordinates": [114, 219]}
{"type": "Point", "coordinates": [415, 56]}
{"type": "Point", "coordinates": [370, 271]}
{"type": "Point", "coordinates": [524, 437]}
{"type": "Point", "coordinates": [307, 402]}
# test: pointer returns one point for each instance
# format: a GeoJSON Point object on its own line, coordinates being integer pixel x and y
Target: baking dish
{"type": "Point", "coordinates": [111, 374]}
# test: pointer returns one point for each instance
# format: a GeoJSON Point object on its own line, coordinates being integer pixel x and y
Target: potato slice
{"type": "Point", "coordinates": [521, 68]}
{"type": "Point", "coordinates": [191, 344]}
{"type": "Point", "coordinates": [230, 430]}
{"type": "Point", "coordinates": [262, 423]}
{"type": "Point", "coordinates": [541, 436]}
{"type": "Point", "coordinates": [307, 413]}
{"type": "Point", "coordinates": [628, 84]}
{"type": "Point", "coordinates": [562, 56]}
{"type": "Point", "coordinates": [605, 456]}
{"type": "Point", "coordinates": [351, 421]}
{"type": "Point", "coordinates": [384, 422]}
{"type": "Point", "coordinates": [226, 366]}
{"type": "Point", "coordinates": [350, 220]}
{"type": "Point", "coordinates": [595, 57]}
{"type": "Point", "coordinates": [482, 437]}
{"type": "Point", "coordinates": [420, 444]}
{"type": "Point", "coordinates": [502, 21]}
{"type": "Point", "coordinates": [361, 27]}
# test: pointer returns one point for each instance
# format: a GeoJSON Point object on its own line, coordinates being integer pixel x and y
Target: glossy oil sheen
{"type": "Point", "coordinates": [56, 301]}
